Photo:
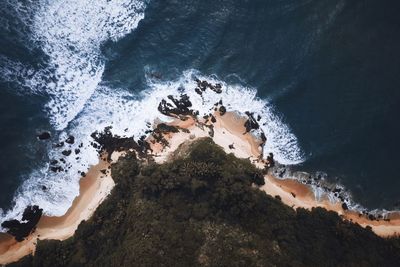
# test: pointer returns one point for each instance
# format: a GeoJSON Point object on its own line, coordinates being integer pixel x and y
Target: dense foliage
{"type": "Point", "coordinates": [204, 209]}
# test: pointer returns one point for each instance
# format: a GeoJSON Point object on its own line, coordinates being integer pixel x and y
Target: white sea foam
{"type": "Point", "coordinates": [71, 33]}
{"type": "Point", "coordinates": [131, 115]}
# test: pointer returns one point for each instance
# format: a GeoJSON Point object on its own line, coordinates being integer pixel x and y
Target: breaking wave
{"type": "Point", "coordinates": [70, 33]}
{"type": "Point", "coordinates": [131, 115]}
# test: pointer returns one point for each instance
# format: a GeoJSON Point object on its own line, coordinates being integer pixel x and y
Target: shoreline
{"type": "Point", "coordinates": [229, 129]}
{"type": "Point", "coordinates": [93, 189]}
{"type": "Point", "coordinates": [229, 132]}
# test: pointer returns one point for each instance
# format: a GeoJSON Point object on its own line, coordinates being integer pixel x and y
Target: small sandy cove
{"type": "Point", "coordinates": [229, 133]}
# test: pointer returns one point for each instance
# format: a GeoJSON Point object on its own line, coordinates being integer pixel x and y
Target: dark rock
{"type": "Point", "coordinates": [213, 119]}
{"type": "Point", "coordinates": [271, 162]}
{"type": "Point", "coordinates": [20, 230]}
{"type": "Point", "coordinates": [44, 136]}
{"type": "Point", "coordinates": [143, 144]}
{"type": "Point", "coordinates": [70, 140]}
{"type": "Point", "coordinates": [231, 146]}
{"type": "Point", "coordinates": [222, 110]}
{"type": "Point", "coordinates": [83, 174]}
{"type": "Point", "coordinates": [165, 128]}
{"type": "Point", "coordinates": [337, 190]}
{"type": "Point", "coordinates": [160, 130]}
{"type": "Point", "coordinates": [293, 194]}
{"type": "Point", "coordinates": [344, 206]}
{"type": "Point", "coordinates": [104, 171]}
{"type": "Point", "coordinates": [66, 152]}
{"type": "Point", "coordinates": [198, 91]}
{"type": "Point", "coordinates": [263, 137]}
{"type": "Point", "coordinates": [281, 173]}
{"type": "Point", "coordinates": [44, 188]}
{"type": "Point", "coordinates": [56, 169]}
{"type": "Point", "coordinates": [211, 132]}
{"type": "Point", "coordinates": [77, 151]}
{"type": "Point", "coordinates": [251, 123]}
{"type": "Point", "coordinates": [53, 162]}
{"type": "Point", "coordinates": [58, 145]}
{"type": "Point", "coordinates": [107, 142]}
{"type": "Point", "coordinates": [203, 85]}
{"type": "Point", "coordinates": [181, 106]}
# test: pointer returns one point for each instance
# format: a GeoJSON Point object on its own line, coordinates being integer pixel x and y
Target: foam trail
{"type": "Point", "coordinates": [71, 33]}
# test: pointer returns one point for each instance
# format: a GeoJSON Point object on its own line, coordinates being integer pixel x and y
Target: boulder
{"type": "Point", "coordinates": [70, 140]}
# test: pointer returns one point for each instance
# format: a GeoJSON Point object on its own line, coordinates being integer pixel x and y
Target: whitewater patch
{"type": "Point", "coordinates": [131, 115]}
{"type": "Point", "coordinates": [70, 34]}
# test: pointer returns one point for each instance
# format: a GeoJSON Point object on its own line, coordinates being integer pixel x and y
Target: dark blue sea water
{"type": "Point", "coordinates": [329, 72]}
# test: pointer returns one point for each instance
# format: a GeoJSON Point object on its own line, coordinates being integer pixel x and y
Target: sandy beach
{"type": "Point", "coordinates": [94, 188]}
{"type": "Point", "coordinates": [228, 132]}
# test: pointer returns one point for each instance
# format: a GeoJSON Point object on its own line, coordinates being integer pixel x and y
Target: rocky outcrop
{"type": "Point", "coordinates": [251, 123]}
{"type": "Point", "coordinates": [107, 142]}
{"type": "Point", "coordinates": [179, 107]}
{"type": "Point", "coordinates": [202, 86]}
{"type": "Point", "coordinates": [21, 229]}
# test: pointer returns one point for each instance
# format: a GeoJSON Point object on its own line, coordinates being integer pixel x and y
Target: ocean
{"type": "Point", "coordinates": [324, 76]}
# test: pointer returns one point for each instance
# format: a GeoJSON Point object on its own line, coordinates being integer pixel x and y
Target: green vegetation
{"type": "Point", "coordinates": [204, 209]}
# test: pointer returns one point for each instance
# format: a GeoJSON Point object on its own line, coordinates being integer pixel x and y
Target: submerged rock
{"type": "Point", "coordinates": [44, 136]}
{"type": "Point", "coordinates": [58, 145]}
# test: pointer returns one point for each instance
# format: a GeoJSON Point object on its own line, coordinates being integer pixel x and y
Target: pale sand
{"type": "Point", "coordinates": [94, 188]}
{"type": "Point", "coordinates": [228, 129]}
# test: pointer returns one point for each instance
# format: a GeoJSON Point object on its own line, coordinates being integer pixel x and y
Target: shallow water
{"type": "Point", "coordinates": [326, 73]}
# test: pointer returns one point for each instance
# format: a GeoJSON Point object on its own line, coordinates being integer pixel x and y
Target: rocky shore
{"type": "Point", "coordinates": [236, 133]}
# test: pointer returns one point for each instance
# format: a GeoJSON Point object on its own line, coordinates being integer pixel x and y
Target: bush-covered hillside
{"type": "Point", "coordinates": [204, 209]}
